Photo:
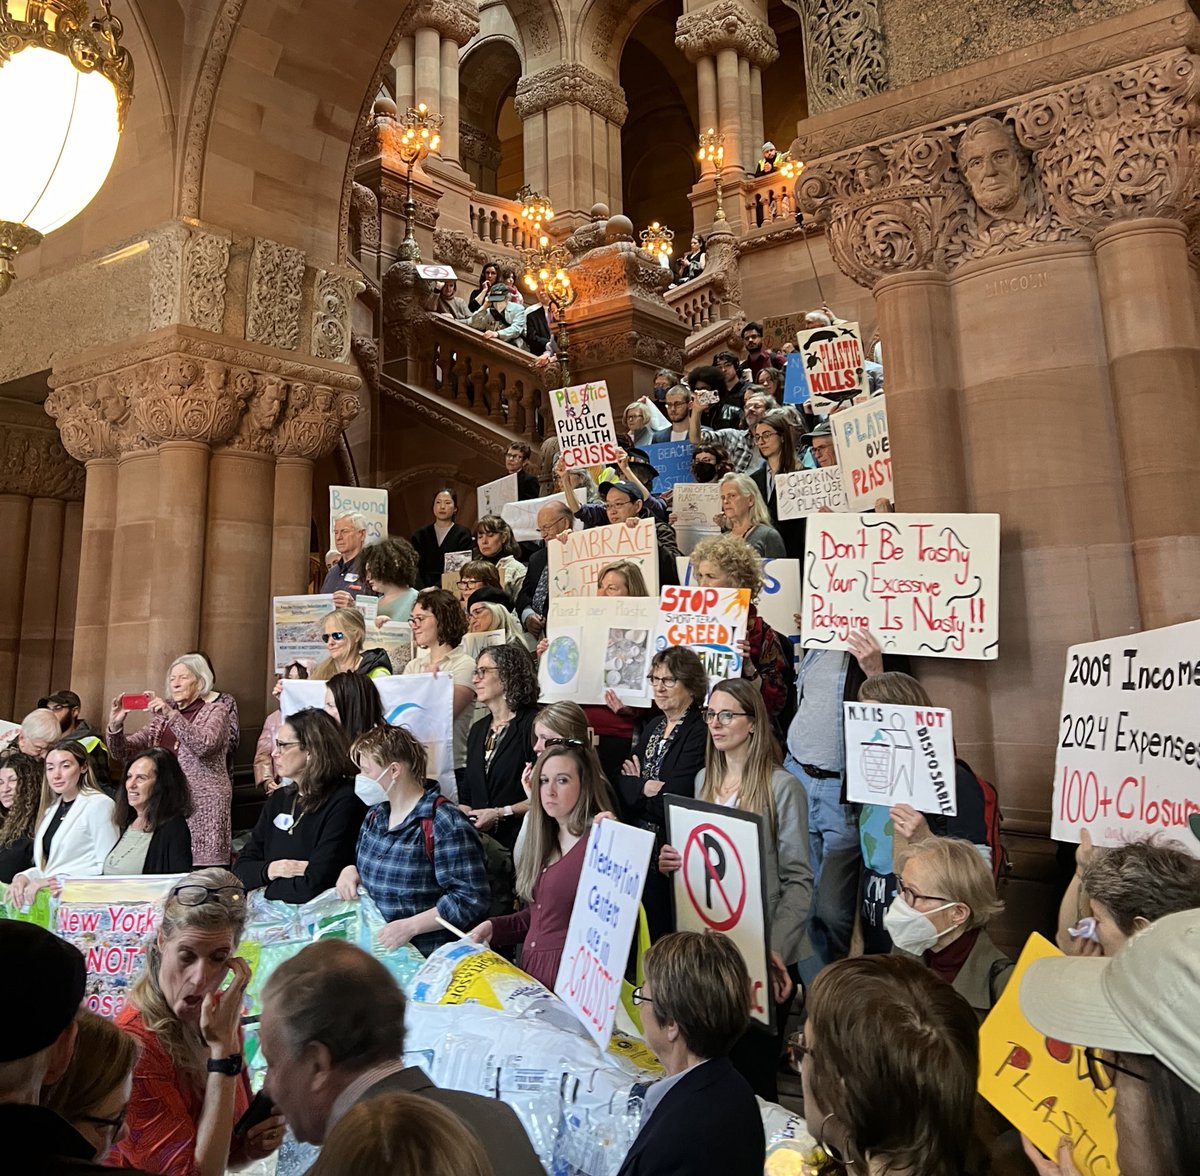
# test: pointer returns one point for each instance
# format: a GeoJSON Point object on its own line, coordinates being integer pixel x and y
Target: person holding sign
{"type": "Point", "coordinates": [776, 442]}
{"type": "Point", "coordinates": [344, 633]}
{"type": "Point", "coordinates": [345, 576]}
{"type": "Point", "coordinates": [703, 1116]}
{"type": "Point", "coordinates": [740, 772]}
{"type": "Point", "coordinates": [747, 516]}
{"type": "Point", "coordinates": [392, 571]}
{"type": "Point", "coordinates": [570, 793]}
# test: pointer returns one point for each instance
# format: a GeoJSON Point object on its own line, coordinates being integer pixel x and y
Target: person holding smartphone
{"type": "Point", "coordinates": [189, 1085]}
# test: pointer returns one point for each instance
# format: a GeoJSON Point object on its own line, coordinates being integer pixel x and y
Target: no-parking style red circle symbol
{"type": "Point", "coordinates": [722, 879]}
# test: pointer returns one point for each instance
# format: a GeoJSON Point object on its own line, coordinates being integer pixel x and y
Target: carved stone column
{"type": "Point", "coordinates": [845, 57]}
{"type": "Point", "coordinates": [404, 63]}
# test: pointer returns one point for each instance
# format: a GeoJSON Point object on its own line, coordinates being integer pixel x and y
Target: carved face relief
{"type": "Point", "coordinates": [267, 405]}
{"type": "Point", "coordinates": [1100, 99]}
{"type": "Point", "coordinates": [989, 164]}
{"type": "Point", "coordinates": [868, 170]}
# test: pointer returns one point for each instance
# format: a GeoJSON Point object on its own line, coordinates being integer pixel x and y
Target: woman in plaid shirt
{"type": "Point", "coordinates": [418, 857]}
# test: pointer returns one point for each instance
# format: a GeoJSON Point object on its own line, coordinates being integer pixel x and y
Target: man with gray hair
{"type": "Point", "coordinates": [332, 1034]}
{"type": "Point", "coordinates": [346, 577]}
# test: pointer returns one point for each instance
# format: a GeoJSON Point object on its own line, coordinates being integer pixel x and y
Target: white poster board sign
{"type": "Point", "coordinates": [696, 506]}
{"type": "Point", "coordinates": [372, 504]}
{"type": "Point", "coordinates": [583, 420]}
{"type": "Point", "coordinates": [924, 584]}
{"type": "Point", "coordinates": [602, 924]}
{"type": "Point", "coordinates": [833, 365]}
{"type": "Point", "coordinates": [860, 435]}
{"type": "Point", "coordinates": [900, 755]}
{"type": "Point", "coordinates": [522, 516]}
{"type": "Point", "coordinates": [1127, 759]}
{"type": "Point", "coordinates": [493, 497]}
{"type": "Point", "coordinates": [598, 643]}
{"type": "Point", "coordinates": [808, 492]}
{"type": "Point", "coordinates": [575, 564]}
{"type": "Point", "coordinates": [720, 886]}
{"type": "Point", "coordinates": [709, 621]}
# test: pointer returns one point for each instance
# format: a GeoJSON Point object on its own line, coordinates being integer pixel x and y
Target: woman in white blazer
{"type": "Point", "coordinates": [75, 827]}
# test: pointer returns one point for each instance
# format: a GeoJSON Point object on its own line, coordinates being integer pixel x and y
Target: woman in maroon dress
{"type": "Point", "coordinates": [569, 796]}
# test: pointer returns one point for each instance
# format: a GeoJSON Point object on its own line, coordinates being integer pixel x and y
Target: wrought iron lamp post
{"type": "Point", "coordinates": [418, 137]}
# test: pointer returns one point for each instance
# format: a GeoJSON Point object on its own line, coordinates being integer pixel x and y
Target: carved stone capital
{"type": "Point", "coordinates": [601, 350]}
{"type": "Point", "coordinates": [457, 20]}
{"type": "Point", "coordinates": [845, 57]}
{"type": "Point", "coordinates": [364, 217]}
{"type": "Point", "coordinates": [406, 323]}
{"type": "Point", "coordinates": [333, 298]}
{"type": "Point", "coordinates": [264, 397]}
{"type": "Point", "coordinates": [457, 249]}
{"type": "Point", "coordinates": [726, 25]}
{"type": "Point", "coordinates": [571, 83]}
{"type": "Point", "coordinates": [616, 270]}
{"type": "Point", "coordinates": [178, 398]}
{"type": "Point", "coordinates": [34, 463]}
{"type": "Point", "coordinates": [188, 271]}
{"type": "Point", "coordinates": [313, 420]}
{"type": "Point", "coordinates": [475, 143]}
{"type": "Point", "coordinates": [274, 292]}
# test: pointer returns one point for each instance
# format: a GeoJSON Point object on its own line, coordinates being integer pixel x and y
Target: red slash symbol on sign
{"type": "Point", "coordinates": [717, 854]}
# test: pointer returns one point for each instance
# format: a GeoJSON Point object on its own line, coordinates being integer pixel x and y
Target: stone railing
{"type": "Point", "coordinates": [498, 226]}
{"type": "Point", "coordinates": [698, 302]}
{"type": "Point", "coordinates": [770, 204]}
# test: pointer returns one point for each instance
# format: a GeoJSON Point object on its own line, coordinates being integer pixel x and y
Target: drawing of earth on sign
{"type": "Point", "coordinates": [562, 660]}
{"type": "Point", "coordinates": [888, 760]}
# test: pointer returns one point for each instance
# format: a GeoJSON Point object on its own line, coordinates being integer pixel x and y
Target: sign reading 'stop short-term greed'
{"type": "Point", "coordinates": [923, 584]}
{"type": "Point", "coordinates": [583, 419]}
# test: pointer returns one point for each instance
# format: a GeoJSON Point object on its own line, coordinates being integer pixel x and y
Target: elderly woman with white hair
{"type": "Point", "coordinates": [38, 732]}
{"type": "Point", "coordinates": [747, 517]}
{"type": "Point", "coordinates": [197, 731]}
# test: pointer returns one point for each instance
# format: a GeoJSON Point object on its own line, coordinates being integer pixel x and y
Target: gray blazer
{"type": "Point", "coordinates": [787, 869]}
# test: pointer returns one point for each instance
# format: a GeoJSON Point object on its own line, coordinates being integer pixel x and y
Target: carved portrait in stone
{"type": "Point", "coordinates": [994, 170]}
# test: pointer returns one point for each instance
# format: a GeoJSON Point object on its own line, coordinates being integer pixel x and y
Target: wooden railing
{"type": "Point", "coordinates": [769, 204]}
{"type": "Point", "coordinates": [497, 224]}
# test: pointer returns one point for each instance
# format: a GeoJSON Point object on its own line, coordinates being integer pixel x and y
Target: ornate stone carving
{"type": "Point", "coordinates": [726, 25]}
{"type": "Point", "coordinates": [265, 397]}
{"type": "Point", "coordinates": [457, 249]}
{"type": "Point", "coordinates": [406, 322]}
{"type": "Point", "coordinates": [571, 83]}
{"type": "Point", "coordinates": [34, 463]}
{"type": "Point", "coordinates": [425, 212]}
{"type": "Point", "coordinates": [456, 19]}
{"type": "Point", "coordinates": [1119, 145]}
{"type": "Point", "coordinates": [722, 252]}
{"type": "Point", "coordinates": [481, 442]}
{"type": "Point", "coordinates": [844, 53]}
{"type": "Point", "coordinates": [475, 143]}
{"type": "Point", "coordinates": [206, 263]}
{"type": "Point", "coordinates": [274, 295]}
{"type": "Point", "coordinates": [166, 273]}
{"type": "Point", "coordinates": [599, 350]}
{"type": "Point", "coordinates": [313, 420]}
{"type": "Point", "coordinates": [364, 218]}
{"type": "Point", "coordinates": [182, 399]}
{"type": "Point", "coordinates": [365, 350]}
{"type": "Point", "coordinates": [333, 297]}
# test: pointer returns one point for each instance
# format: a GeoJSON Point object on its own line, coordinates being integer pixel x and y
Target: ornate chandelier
{"type": "Point", "coordinates": [65, 89]}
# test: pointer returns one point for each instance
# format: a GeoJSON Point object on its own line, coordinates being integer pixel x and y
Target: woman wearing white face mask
{"type": "Point", "coordinates": [417, 855]}
{"type": "Point", "coordinates": [945, 897]}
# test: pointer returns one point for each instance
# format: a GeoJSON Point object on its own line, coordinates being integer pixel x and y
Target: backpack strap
{"type": "Point", "coordinates": [427, 826]}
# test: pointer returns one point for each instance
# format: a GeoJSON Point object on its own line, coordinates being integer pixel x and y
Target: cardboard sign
{"type": "Point", "coordinates": [598, 643]}
{"type": "Point", "coordinates": [673, 460]}
{"type": "Point", "coordinates": [1041, 1086]}
{"type": "Point", "coordinates": [522, 516]}
{"type": "Point", "coordinates": [809, 492]}
{"type": "Point", "coordinates": [833, 365]}
{"type": "Point", "coordinates": [603, 921]}
{"type": "Point", "coordinates": [925, 584]}
{"type": "Point", "coordinates": [110, 920]}
{"type": "Point", "coordinates": [795, 386]}
{"type": "Point", "coordinates": [575, 564]}
{"type": "Point", "coordinates": [695, 505]}
{"type": "Point", "coordinates": [709, 621]}
{"type": "Point", "coordinates": [860, 435]}
{"type": "Point", "coordinates": [298, 626]}
{"type": "Point", "coordinates": [1127, 748]}
{"type": "Point", "coordinates": [583, 420]}
{"type": "Point", "coordinates": [370, 503]}
{"type": "Point", "coordinates": [493, 497]}
{"type": "Point", "coordinates": [721, 885]}
{"type": "Point", "coordinates": [782, 328]}
{"type": "Point", "coordinates": [900, 755]}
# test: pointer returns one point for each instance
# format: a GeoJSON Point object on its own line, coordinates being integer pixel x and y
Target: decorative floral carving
{"type": "Point", "coordinates": [34, 463]}
{"type": "Point", "coordinates": [364, 218]}
{"type": "Point", "coordinates": [457, 249]}
{"type": "Point", "coordinates": [726, 25]}
{"type": "Point", "coordinates": [332, 299]}
{"type": "Point", "coordinates": [475, 143]}
{"type": "Point", "coordinates": [313, 420]}
{"type": "Point", "coordinates": [456, 19]}
{"type": "Point", "coordinates": [166, 273]}
{"type": "Point", "coordinates": [844, 52]}
{"type": "Point", "coordinates": [571, 82]}
{"type": "Point", "coordinates": [365, 350]}
{"type": "Point", "coordinates": [406, 322]}
{"type": "Point", "coordinates": [183, 399]}
{"type": "Point", "coordinates": [274, 295]}
{"type": "Point", "coordinates": [206, 263]}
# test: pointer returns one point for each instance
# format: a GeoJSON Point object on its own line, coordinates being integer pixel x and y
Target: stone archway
{"type": "Point", "coordinates": [488, 77]}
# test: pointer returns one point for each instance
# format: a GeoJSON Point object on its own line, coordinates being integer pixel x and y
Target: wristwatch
{"type": "Point", "coordinates": [231, 1065]}
{"type": "Point", "coordinates": [508, 810]}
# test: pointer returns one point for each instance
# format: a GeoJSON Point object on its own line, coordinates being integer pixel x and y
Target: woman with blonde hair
{"type": "Point", "coordinates": [197, 731]}
{"type": "Point", "coordinates": [20, 793]}
{"type": "Point", "coordinates": [747, 517]}
{"type": "Point", "coordinates": [401, 1135]}
{"type": "Point", "coordinates": [344, 633]}
{"type": "Point", "coordinates": [622, 577]}
{"type": "Point", "coordinates": [189, 1084]}
{"type": "Point", "coordinates": [94, 1092]}
{"type": "Point", "coordinates": [741, 772]}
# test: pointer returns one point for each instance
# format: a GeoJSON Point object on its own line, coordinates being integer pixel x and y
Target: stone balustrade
{"type": "Point", "coordinates": [498, 225]}
{"type": "Point", "coordinates": [769, 203]}
{"type": "Point", "coordinates": [698, 302]}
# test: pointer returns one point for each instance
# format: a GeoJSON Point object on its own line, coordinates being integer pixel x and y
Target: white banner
{"type": "Point", "coordinates": [493, 497]}
{"type": "Point", "coordinates": [603, 921]}
{"type": "Point", "coordinates": [924, 584]}
{"type": "Point", "coordinates": [1128, 760]}
{"type": "Point", "coordinates": [860, 435]}
{"type": "Point", "coordinates": [522, 516]}
{"type": "Point", "coordinates": [900, 755]}
{"type": "Point", "coordinates": [575, 564]}
{"type": "Point", "coordinates": [809, 492]}
{"type": "Point", "coordinates": [370, 503]}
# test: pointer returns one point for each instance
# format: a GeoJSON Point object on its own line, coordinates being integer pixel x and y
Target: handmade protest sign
{"type": "Point", "coordinates": [900, 755]}
{"type": "Point", "coordinates": [364, 500]}
{"type": "Point", "coordinates": [795, 386]}
{"type": "Point", "coordinates": [860, 435]}
{"type": "Point", "coordinates": [583, 420]}
{"type": "Point", "coordinates": [298, 625]}
{"type": "Point", "coordinates": [603, 920]}
{"type": "Point", "coordinates": [833, 365]}
{"type": "Point", "coordinates": [781, 328]}
{"type": "Point", "coordinates": [696, 506]}
{"type": "Point", "coordinates": [709, 621]}
{"type": "Point", "coordinates": [808, 492]}
{"type": "Point", "coordinates": [110, 920]}
{"type": "Point", "coordinates": [574, 564]}
{"type": "Point", "coordinates": [1040, 1085]}
{"type": "Point", "coordinates": [926, 584]}
{"type": "Point", "coordinates": [1128, 751]}
{"type": "Point", "coordinates": [598, 643]}
{"type": "Point", "coordinates": [720, 886]}
{"type": "Point", "coordinates": [522, 516]}
{"type": "Point", "coordinates": [673, 460]}
{"type": "Point", "coordinates": [493, 497]}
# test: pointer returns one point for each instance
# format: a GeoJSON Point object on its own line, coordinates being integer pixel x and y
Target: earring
{"type": "Point", "coordinates": [834, 1152]}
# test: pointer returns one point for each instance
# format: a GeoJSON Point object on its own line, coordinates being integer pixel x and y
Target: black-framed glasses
{"type": "Point", "coordinates": [797, 1050]}
{"type": "Point", "coordinates": [723, 718]}
{"type": "Point", "coordinates": [288, 743]}
{"type": "Point", "coordinates": [116, 1124]}
{"type": "Point", "coordinates": [193, 894]}
{"type": "Point", "coordinates": [638, 996]}
{"type": "Point", "coordinates": [911, 896]}
{"type": "Point", "coordinates": [665, 682]}
{"type": "Point", "coordinates": [562, 741]}
{"type": "Point", "coordinates": [1103, 1070]}
{"type": "Point", "coordinates": [483, 671]}
{"type": "Point", "coordinates": [326, 638]}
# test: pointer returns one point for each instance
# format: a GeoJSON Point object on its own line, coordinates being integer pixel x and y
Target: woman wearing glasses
{"type": "Point", "coordinates": [189, 1084]}
{"type": "Point", "coordinates": [775, 439]}
{"type": "Point", "coordinates": [344, 633]}
{"type": "Point", "coordinates": [741, 772]}
{"type": "Point", "coordinates": [306, 834]}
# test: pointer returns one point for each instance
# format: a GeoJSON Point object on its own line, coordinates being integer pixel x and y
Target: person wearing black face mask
{"type": "Point", "coordinates": [710, 462]}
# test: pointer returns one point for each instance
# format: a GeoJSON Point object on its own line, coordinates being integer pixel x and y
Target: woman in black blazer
{"type": "Point", "coordinates": [443, 535]}
{"type": "Point", "coordinates": [151, 816]}
{"type": "Point", "coordinates": [666, 759]}
{"type": "Point", "coordinates": [776, 442]}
